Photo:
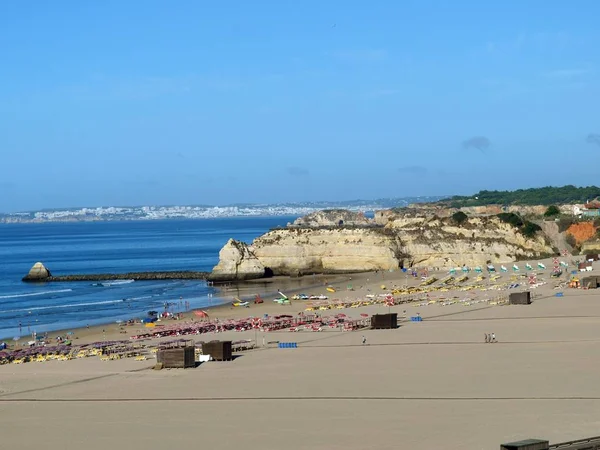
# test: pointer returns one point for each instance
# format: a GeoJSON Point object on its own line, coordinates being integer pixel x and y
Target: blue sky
{"type": "Point", "coordinates": [128, 103]}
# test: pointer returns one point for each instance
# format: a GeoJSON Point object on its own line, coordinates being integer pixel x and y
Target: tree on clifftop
{"type": "Point", "coordinates": [535, 196]}
{"type": "Point", "coordinates": [459, 217]}
{"type": "Point", "coordinates": [552, 211]}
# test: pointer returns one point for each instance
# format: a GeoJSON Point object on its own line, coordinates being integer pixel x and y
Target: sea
{"type": "Point", "coordinates": [111, 247]}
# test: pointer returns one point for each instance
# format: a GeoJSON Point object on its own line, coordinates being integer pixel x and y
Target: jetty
{"type": "Point", "coordinates": [39, 273]}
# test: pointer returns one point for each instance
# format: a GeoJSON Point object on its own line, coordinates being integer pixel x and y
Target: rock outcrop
{"type": "Point", "coordinates": [38, 272]}
{"type": "Point", "coordinates": [407, 238]}
{"type": "Point", "coordinates": [434, 242]}
{"type": "Point", "coordinates": [332, 218]}
{"type": "Point", "coordinates": [298, 251]}
{"type": "Point", "coordinates": [237, 263]}
{"type": "Point", "coordinates": [582, 231]}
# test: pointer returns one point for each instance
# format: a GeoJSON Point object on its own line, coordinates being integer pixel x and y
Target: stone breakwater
{"type": "Point", "coordinates": [137, 276]}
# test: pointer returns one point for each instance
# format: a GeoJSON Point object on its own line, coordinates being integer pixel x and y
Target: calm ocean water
{"type": "Point", "coordinates": [109, 247]}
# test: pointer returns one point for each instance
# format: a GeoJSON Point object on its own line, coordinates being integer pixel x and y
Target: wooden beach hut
{"type": "Point", "coordinates": [384, 321]}
{"type": "Point", "coordinates": [519, 298]}
{"type": "Point", "coordinates": [177, 355]}
{"type": "Point", "coordinates": [585, 266]}
{"type": "Point", "coordinates": [218, 350]}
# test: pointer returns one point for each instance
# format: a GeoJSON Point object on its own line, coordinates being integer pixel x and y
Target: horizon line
{"type": "Point", "coordinates": [229, 205]}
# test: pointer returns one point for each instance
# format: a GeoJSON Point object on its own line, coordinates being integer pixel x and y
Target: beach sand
{"type": "Point", "coordinates": [223, 309]}
{"type": "Point", "coordinates": [430, 384]}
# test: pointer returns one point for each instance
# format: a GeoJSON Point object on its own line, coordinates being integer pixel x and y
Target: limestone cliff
{"type": "Point", "coordinates": [429, 210]}
{"type": "Point", "coordinates": [319, 244]}
{"type": "Point", "coordinates": [237, 262]}
{"type": "Point", "coordinates": [297, 251]}
{"type": "Point", "coordinates": [332, 218]}
{"type": "Point", "coordinates": [435, 242]}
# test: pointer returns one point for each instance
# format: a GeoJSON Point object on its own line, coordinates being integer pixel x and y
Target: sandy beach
{"type": "Point", "coordinates": [429, 384]}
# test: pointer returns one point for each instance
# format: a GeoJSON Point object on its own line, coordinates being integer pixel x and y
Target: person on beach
{"type": "Point", "coordinates": [493, 339]}
{"type": "Point", "coordinates": [364, 340]}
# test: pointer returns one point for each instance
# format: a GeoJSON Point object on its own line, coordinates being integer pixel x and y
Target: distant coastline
{"type": "Point", "coordinates": [112, 213]}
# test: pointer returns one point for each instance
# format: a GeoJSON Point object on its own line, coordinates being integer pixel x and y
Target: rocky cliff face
{"type": "Point", "coordinates": [433, 209]}
{"type": "Point", "coordinates": [297, 251]}
{"type": "Point", "coordinates": [236, 263]}
{"type": "Point", "coordinates": [333, 218]}
{"type": "Point", "coordinates": [582, 231]}
{"type": "Point", "coordinates": [435, 242]}
{"type": "Point", "coordinates": [392, 240]}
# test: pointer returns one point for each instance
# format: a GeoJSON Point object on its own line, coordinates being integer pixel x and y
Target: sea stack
{"type": "Point", "coordinates": [38, 272]}
{"type": "Point", "coordinates": [237, 263]}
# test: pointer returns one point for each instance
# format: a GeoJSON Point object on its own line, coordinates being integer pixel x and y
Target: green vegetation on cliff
{"type": "Point", "coordinates": [552, 211]}
{"type": "Point", "coordinates": [535, 196]}
{"type": "Point", "coordinates": [527, 228]}
{"type": "Point", "coordinates": [459, 217]}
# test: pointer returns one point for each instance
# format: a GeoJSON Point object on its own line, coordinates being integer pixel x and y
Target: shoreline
{"type": "Point", "coordinates": [347, 287]}
{"type": "Point", "coordinates": [440, 373]}
{"type": "Point", "coordinates": [267, 288]}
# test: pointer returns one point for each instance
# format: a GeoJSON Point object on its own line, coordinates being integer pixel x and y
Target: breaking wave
{"type": "Point", "coordinates": [32, 294]}
{"type": "Point", "coordinates": [73, 305]}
